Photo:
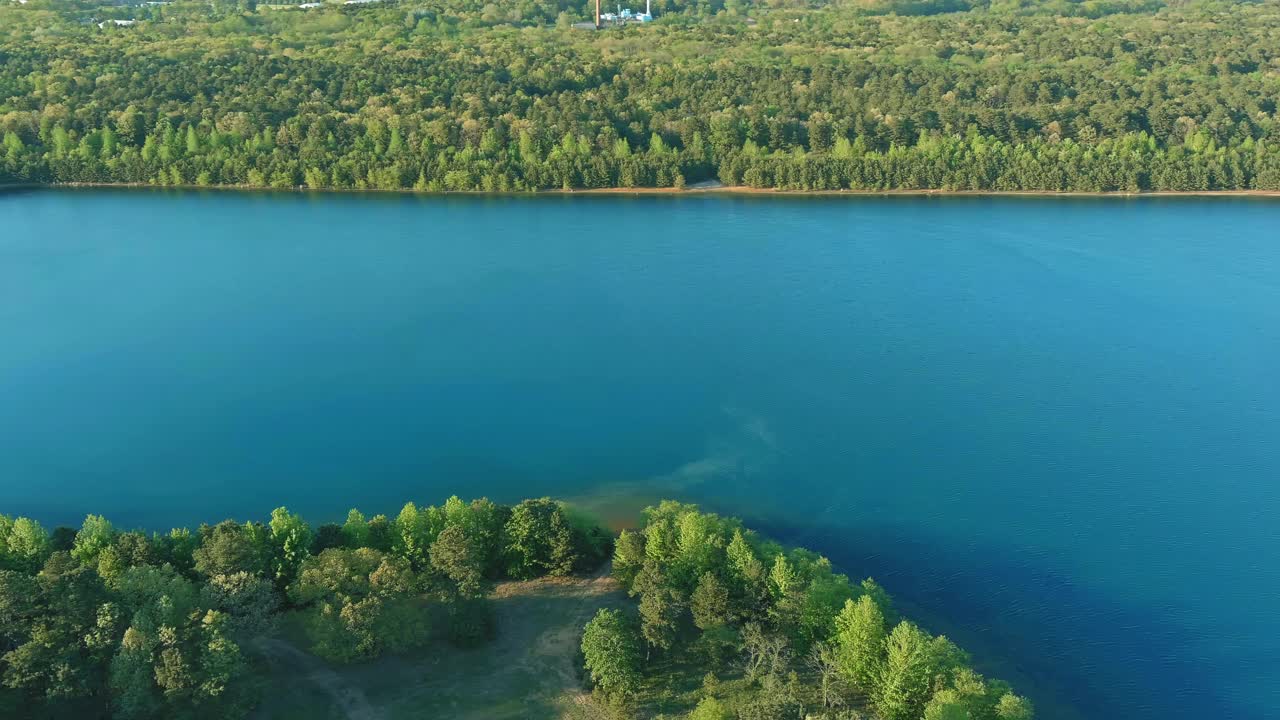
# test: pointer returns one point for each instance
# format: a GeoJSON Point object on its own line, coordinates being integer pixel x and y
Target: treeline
{"type": "Point", "coordinates": [1131, 163]}
{"type": "Point", "coordinates": [780, 634]}
{"type": "Point", "coordinates": [99, 622]}
{"type": "Point", "coordinates": [417, 96]}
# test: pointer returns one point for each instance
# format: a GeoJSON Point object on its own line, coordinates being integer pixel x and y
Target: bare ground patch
{"type": "Point", "coordinates": [530, 670]}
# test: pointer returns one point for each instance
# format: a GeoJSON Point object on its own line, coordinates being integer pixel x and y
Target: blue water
{"type": "Point", "coordinates": [1050, 426]}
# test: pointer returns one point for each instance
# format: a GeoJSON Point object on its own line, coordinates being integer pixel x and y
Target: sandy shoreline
{"type": "Point", "coordinates": [691, 190]}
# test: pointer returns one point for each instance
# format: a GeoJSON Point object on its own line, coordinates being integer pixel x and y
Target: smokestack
{"type": "Point", "coordinates": [597, 14]}
{"type": "Point", "coordinates": [646, 8]}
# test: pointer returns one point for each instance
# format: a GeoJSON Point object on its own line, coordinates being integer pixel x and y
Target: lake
{"type": "Point", "coordinates": [1049, 426]}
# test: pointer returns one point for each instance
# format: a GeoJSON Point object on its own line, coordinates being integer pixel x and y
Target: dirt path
{"type": "Point", "coordinates": [349, 699]}
{"type": "Point", "coordinates": [556, 649]}
{"type": "Point", "coordinates": [529, 671]}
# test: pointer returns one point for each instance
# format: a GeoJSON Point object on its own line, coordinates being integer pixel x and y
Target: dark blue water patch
{"type": "Point", "coordinates": [1050, 426]}
{"type": "Point", "coordinates": [1004, 598]}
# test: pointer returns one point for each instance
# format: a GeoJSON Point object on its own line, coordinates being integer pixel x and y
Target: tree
{"type": "Point", "coordinates": [611, 652]}
{"type": "Point", "coordinates": [355, 530]}
{"type": "Point", "coordinates": [660, 613]}
{"type": "Point", "coordinates": [177, 549]}
{"type": "Point", "coordinates": [95, 534]}
{"type": "Point", "coordinates": [816, 607]}
{"type": "Point", "coordinates": [710, 603]}
{"type": "Point", "coordinates": [766, 653]}
{"type": "Point", "coordinates": [134, 549]}
{"type": "Point", "coordinates": [946, 704]}
{"type": "Point", "coordinates": [248, 603]}
{"type": "Point", "coordinates": [860, 637]}
{"type": "Point", "coordinates": [911, 662]}
{"type": "Point", "coordinates": [777, 700]}
{"type": "Point", "coordinates": [782, 578]}
{"type": "Point", "coordinates": [538, 540]}
{"type": "Point", "coordinates": [458, 558]}
{"type": "Point", "coordinates": [1014, 707]}
{"type": "Point", "coordinates": [175, 658]}
{"type": "Point", "coordinates": [361, 603]}
{"type": "Point", "coordinates": [628, 557]}
{"type": "Point", "coordinates": [413, 535]}
{"type": "Point", "coordinates": [229, 548]}
{"type": "Point", "coordinates": [24, 544]}
{"type": "Point", "coordinates": [290, 544]}
{"type": "Point", "coordinates": [710, 709]}
{"type": "Point", "coordinates": [747, 575]}
{"type": "Point", "coordinates": [824, 661]}
{"type": "Point", "coordinates": [381, 534]}
{"type": "Point", "coordinates": [328, 535]}
{"type": "Point", "coordinates": [63, 639]}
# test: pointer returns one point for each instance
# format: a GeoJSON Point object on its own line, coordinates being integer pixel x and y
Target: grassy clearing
{"type": "Point", "coordinates": [531, 670]}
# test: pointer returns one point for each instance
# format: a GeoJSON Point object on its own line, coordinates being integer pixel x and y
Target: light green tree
{"type": "Point", "coordinates": [290, 544]}
{"type": "Point", "coordinates": [710, 708]}
{"type": "Point", "coordinates": [859, 639]}
{"type": "Point", "coordinates": [611, 651]}
{"type": "Point", "coordinates": [946, 704]}
{"type": "Point", "coordinates": [95, 534]}
{"type": "Point", "coordinates": [1014, 707]}
{"type": "Point", "coordinates": [912, 660]}
{"type": "Point", "coordinates": [355, 531]}
{"type": "Point", "coordinates": [24, 544]}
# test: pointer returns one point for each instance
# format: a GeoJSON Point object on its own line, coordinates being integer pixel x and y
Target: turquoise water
{"type": "Point", "coordinates": [1050, 426]}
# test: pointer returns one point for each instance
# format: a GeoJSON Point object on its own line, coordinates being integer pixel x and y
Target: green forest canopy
{"type": "Point", "coordinates": [463, 95]}
{"type": "Point", "coordinates": [104, 623]}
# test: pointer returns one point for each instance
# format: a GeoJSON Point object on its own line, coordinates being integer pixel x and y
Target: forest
{"type": "Point", "coordinates": [99, 622]}
{"type": "Point", "coordinates": [806, 95]}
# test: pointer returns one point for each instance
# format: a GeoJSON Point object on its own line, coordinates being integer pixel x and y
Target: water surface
{"type": "Point", "coordinates": [1050, 426]}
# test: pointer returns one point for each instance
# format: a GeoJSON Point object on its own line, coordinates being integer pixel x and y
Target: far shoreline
{"type": "Point", "coordinates": [695, 189]}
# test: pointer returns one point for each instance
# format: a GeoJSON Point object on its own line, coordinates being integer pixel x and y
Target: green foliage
{"type": "Point", "coordinates": [1014, 707]}
{"type": "Point", "coordinates": [539, 540]}
{"type": "Point", "coordinates": [248, 604]}
{"type": "Point", "coordinates": [860, 637]}
{"type": "Point", "coordinates": [175, 658]}
{"type": "Point", "coordinates": [415, 530]}
{"type": "Point", "coordinates": [710, 603]}
{"type": "Point", "coordinates": [362, 604]}
{"type": "Point", "coordinates": [805, 636]}
{"type": "Point", "coordinates": [95, 534]}
{"type": "Point", "coordinates": [913, 660]}
{"type": "Point", "coordinates": [24, 544]}
{"type": "Point", "coordinates": [661, 612]}
{"type": "Point", "coordinates": [611, 649]}
{"type": "Point", "coordinates": [103, 623]}
{"type": "Point", "coordinates": [290, 542]}
{"type": "Point", "coordinates": [628, 557]}
{"type": "Point", "coordinates": [458, 557]}
{"type": "Point", "coordinates": [328, 535]}
{"type": "Point", "coordinates": [355, 531]}
{"type": "Point", "coordinates": [228, 548]}
{"type": "Point", "coordinates": [1128, 95]}
{"type": "Point", "coordinates": [710, 709]}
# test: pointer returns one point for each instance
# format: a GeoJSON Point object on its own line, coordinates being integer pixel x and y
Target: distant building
{"type": "Point", "coordinates": [118, 23]}
{"type": "Point", "coordinates": [624, 16]}
{"type": "Point", "coordinates": [310, 5]}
